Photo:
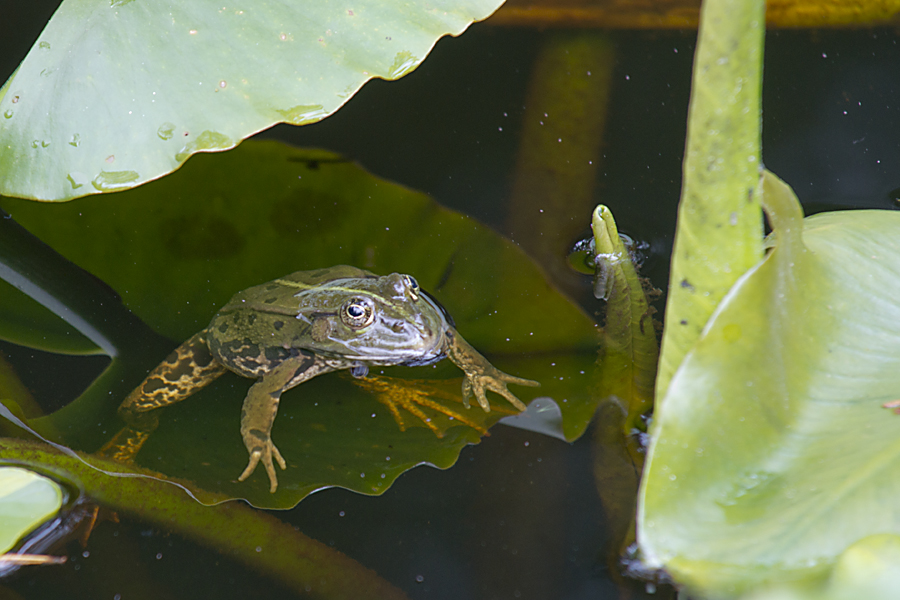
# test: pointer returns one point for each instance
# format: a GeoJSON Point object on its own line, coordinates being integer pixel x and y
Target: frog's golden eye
{"type": "Point", "coordinates": [358, 312]}
{"type": "Point", "coordinates": [412, 285]}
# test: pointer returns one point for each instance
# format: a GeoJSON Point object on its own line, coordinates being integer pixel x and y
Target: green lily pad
{"type": "Point", "coordinates": [26, 501]}
{"type": "Point", "coordinates": [136, 88]}
{"type": "Point", "coordinates": [270, 209]}
{"type": "Point", "coordinates": [772, 453]}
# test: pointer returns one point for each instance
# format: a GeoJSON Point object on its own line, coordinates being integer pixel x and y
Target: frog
{"type": "Point", "coordinates": [291, 329]}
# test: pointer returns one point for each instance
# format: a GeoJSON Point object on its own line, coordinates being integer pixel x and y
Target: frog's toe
{"type": "Point", "coordinates": [482, 399]}
{"type": "Point", "coordinates": [265, 455]}
{"type": "Point", "coordinates": [270, 471]}
{"type": "Point", "coordinates": [510, 397]}
{"type": "Point", "coordinates": [474, 387]}
{"type": "Point", "coordinates": [251, 466]}
{"type": "Point", "coordinates": [521, 381]}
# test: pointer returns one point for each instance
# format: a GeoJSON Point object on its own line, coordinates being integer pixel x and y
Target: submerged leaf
{"type": "Point", "coordinates": [772, 453]}
{"type": "Point", "coordinates": [136, 88]}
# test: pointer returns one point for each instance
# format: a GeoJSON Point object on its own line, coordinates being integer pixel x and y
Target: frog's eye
{"type": "Point", "coordinates": [412, 285]}
{"type": "Point", "coordinates": [358, 312]}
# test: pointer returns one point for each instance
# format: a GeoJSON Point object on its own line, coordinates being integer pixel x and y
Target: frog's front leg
{"type": "Point", "coordinates": [481, 375]}
{"type": "Point", "coordinates": [261, 406]}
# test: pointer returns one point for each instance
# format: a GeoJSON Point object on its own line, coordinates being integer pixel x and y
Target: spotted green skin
{"type": "Point", "coordinates": [291, 329]}
{"type": "Point", "coordinates": [264, 325]}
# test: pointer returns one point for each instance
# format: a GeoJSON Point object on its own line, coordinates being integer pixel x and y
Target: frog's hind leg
{"type": "Point", "coordinates": [187, 369]}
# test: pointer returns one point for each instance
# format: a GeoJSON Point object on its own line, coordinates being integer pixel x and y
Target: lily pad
{"type": "Point", "coordinates": [269, 210]}
{"type": "Point", "coordinates": [772, 453]}
{"type": "Point", "coordinates": [136, 88]}
{"type": "Point", "coordinates": [26, 501]}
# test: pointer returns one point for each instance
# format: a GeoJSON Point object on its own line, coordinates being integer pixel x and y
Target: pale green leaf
{"type": "Point", "coordinates": [719, 221]}
{"type": "Point", "coordinates": [869, 570]}
{"type": "Point", "coordinates": [116, 93]}
{"type": "Point", "coordinates": [26, 501]}
{"type": "Point", "coordinates": [772, 453]}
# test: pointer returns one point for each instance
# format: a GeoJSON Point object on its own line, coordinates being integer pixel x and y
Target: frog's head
{"type": "Point", "coordinates": [376, 320]}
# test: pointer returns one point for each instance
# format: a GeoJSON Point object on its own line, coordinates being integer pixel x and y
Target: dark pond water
{"type": "Point", "coordinates": [519, 515]}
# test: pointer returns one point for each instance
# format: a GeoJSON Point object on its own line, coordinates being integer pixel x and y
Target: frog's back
{"type": "Point", "coordinates": [318, 277]}
{"type": "Point", "coordinates": [262, 326]}
{"type": "Point", "coordinates": [278, 296]}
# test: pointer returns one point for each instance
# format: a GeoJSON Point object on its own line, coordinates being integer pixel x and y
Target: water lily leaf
{"type": "Point", "coordinates": [719, 232]}
{"type": "Point", "coordinates": [772, 453]}
{"type": "Point", "coordinates": [136, 88]}
{"type": "Point", "coordinates": [333, 432]}
{"type": "Point", "coordinates": [26, 501]}
{"type": "Point", "coordinates": [269, 210]}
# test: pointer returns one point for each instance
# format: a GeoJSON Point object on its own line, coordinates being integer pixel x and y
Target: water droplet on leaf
{"type": "Point", "coordinates": [166, 131]}
{"type": "Point", "coordinates": [108, 181]}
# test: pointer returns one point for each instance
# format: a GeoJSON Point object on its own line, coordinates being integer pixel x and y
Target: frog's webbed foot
{"type": "Point", "coordinates": [263, 450]}
{"type": "Point", "coordinates": [492, 379]}
{"type": "Point", "coordinates": [481, 375]}
{"type": "Point", "coordinates": [415, 397]}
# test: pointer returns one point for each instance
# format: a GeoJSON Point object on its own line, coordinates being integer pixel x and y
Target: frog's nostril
{"type": "Point", "coordinates": [398, 326]}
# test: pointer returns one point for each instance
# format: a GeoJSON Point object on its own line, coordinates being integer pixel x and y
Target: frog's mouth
{"type": "Point", "coordinates": [389, 341]}
{"type": "Point", "coordinates": [415, 344]}
{"type": "Point", "coordinates": [424, 361]}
